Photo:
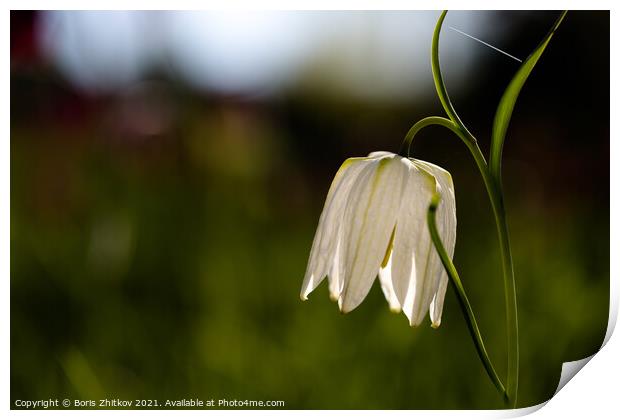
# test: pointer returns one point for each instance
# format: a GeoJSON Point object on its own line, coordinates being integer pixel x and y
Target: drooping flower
{"type": "Point", "coordinates": [374, 223]}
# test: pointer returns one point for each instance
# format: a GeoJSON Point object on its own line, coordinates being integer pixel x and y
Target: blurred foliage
{"type": "Point", "coordinates": [159, 238]}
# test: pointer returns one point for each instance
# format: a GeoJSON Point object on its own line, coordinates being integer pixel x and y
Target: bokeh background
{"type": "Point", "coordinates": [168, 171]}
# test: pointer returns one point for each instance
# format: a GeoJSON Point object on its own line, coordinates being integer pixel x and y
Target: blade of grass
{"type": "Point", "coordinates": [508, 100]}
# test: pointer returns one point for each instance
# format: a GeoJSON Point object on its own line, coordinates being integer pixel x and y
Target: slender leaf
{"type": "Point", "coordinates": [507, 103]}
{"type": "Point", "coordinates": [442, 92]}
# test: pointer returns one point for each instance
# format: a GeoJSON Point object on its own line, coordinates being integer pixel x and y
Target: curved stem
{"type": "Point", "coordinates": [495, 194]}
{"type": "Point", "coordinates": [464, 135]}
{"type": "Point", "coordinates": [510, 297]}
{"type": "Point", "coordinates": [440, 86]}
{"type": "Point", "coordinates": [455, 281]}
{"type": "Point", "coordinates": [425, 122]}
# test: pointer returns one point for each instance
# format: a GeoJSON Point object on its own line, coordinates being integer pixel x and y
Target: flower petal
{"type": "Point", "coordinates": [385, 278]}
{"type": "Point", "coordinates": [381, 154]}
{"type": "Point", "coordinates": [412, 244]}
{"type": "Point", "coordinates": [369, 219]}
{"type": "Point", "coordinates": [334, 276]}
{"type": "Point", "coordinates": [446, 226]}
{"type": "Point", "coordinates": [327, 232]}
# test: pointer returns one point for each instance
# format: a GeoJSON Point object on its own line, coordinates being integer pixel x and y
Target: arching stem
{"type": "Point", "coordinates": [455, 281]}
{"type": "Point", "coordinates": [497, 205]}
{"type": "Point", "coordinates": [492, 182]}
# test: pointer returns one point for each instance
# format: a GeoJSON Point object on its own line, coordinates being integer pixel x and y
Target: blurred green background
{"type": "Point", "coordinates": [160, 229]}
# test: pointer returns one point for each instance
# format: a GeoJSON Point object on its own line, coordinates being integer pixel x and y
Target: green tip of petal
{"type": "Point", "coordinates": [395, 310]}
{"type": "Point", "coordinates": [303, 297]}
{"type": "Point", "coordinates": [435, 325]}
{"type": "Point", "coordinates": [333, 297]}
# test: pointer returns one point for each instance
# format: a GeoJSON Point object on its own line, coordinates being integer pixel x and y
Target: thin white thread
{"type": "Point", "coordinates": [488, 45]}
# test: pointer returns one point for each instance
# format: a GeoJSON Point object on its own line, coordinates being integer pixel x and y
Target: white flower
{"type": "Point", "coordinates": [374, 223]}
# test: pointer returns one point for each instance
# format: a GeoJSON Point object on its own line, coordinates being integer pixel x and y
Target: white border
{"type": "Point", "coordinates": [311, 5]}
{"type": "Point", "coordinates": [593, 393]}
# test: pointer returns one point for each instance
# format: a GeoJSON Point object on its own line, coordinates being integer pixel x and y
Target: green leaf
{"type": "Point", "coordinates": [507, 103]}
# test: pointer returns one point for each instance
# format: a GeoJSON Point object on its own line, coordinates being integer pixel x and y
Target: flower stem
{"type": "Point", "coordinates": [494, 192]}
{"type": "Point", "coordinates": [455, 281]}
{"type": "Point", "coordinates": [496, 196]}
{"type": "Point", "coordinates": [493, 185]}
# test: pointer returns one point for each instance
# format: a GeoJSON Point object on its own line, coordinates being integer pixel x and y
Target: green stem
{"type": "Point", "coordinates": [510, 297]}
{"type": "Point", "coordinates": [440, 86]}
{"type": "Point", "coordinates": [455, 281]}
{"type": "Point", "coordinates": [496, 196]}
{"type": "Point", "coordinates": [497, 204]}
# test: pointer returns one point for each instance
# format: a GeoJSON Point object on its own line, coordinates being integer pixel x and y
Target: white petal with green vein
{"type": "Point", "coordinates": [374, 224]}
{"type": "Point", "coordinates": [369, 219]}
{"type": "Point", "coordinates": [326, 237]}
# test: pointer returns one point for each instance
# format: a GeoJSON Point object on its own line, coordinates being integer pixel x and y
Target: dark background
{"type": "Point", "coordinates": [167, 263]}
